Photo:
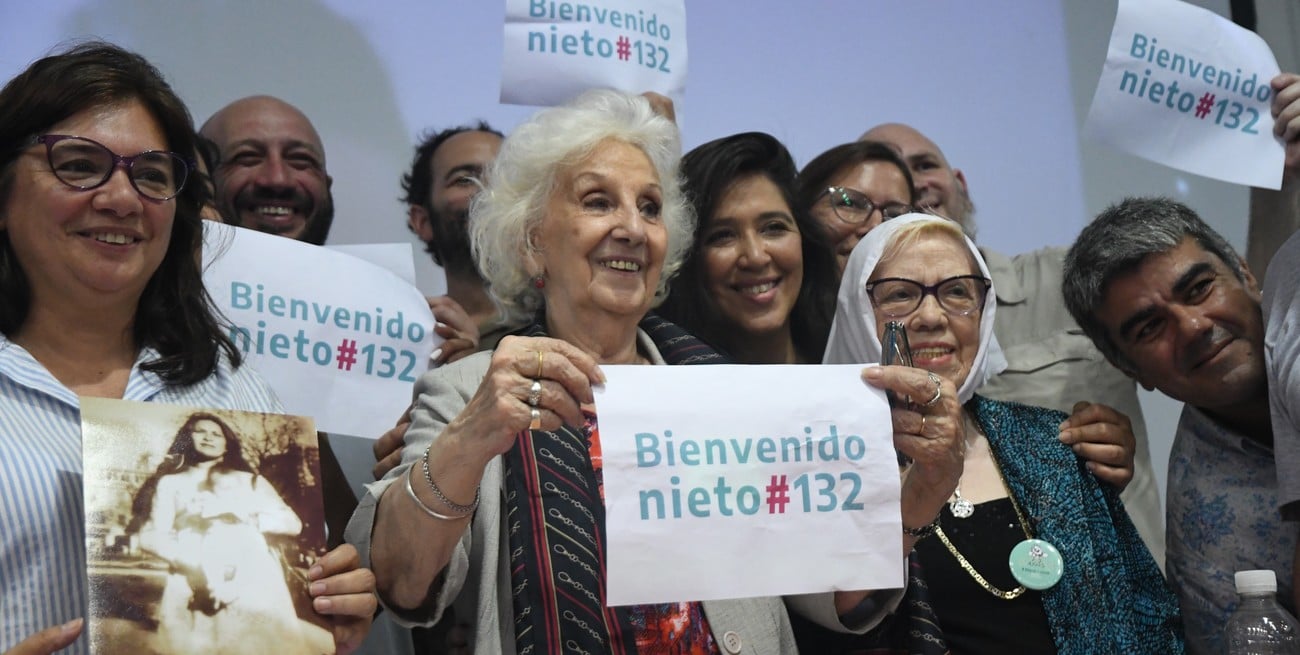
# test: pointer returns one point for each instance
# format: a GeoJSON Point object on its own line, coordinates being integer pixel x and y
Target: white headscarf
{"type": "Point", "coordinates": [853, 337]}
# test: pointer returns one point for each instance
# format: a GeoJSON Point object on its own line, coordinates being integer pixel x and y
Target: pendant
{"type": "Point", "coordinates": [960, 507]}
{"type": "Point", "coordinates": [1036, 564]}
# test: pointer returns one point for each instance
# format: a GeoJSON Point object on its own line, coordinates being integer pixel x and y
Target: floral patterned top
{"type": "Point", "coordinates": [1221, 518]}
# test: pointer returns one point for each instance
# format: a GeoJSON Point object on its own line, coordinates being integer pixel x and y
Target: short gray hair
{"type": "Point", "coordinates": [523, 176]}
{"type": "Point", "coordinates": [1116, 243]}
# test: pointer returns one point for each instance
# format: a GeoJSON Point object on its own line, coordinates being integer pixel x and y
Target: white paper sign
{"type": "Point", "coordinates": [1184, 87]}
{"type": "Point", "coordinates": [555, 49]}
{"type": "Point", "coordinates": [339, 339]}
{"type": "Point", "coordinates": [747, 481]}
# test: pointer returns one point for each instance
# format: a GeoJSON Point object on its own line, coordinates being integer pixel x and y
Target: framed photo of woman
{"type": "Point", "coordinates": [201, 526]}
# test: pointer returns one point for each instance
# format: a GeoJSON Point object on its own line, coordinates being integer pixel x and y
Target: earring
{"type": "Point", "coordinates": [538, 282]}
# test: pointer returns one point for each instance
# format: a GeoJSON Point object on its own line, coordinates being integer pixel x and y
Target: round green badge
{"type": "Point", "coordinates": [1036, 564]}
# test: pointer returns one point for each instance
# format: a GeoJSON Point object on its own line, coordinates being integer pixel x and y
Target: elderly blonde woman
{"type": "Point", "coordinates": [1032, 554]}
{"type": "Point", "coordinates": [497, 505]}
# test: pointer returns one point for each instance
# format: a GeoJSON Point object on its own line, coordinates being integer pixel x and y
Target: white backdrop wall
{"type": "Point", "coordinates": [1002, 85]}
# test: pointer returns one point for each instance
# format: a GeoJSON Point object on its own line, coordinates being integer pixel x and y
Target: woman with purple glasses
{"type": "Point", "coordinates": [101, 295]}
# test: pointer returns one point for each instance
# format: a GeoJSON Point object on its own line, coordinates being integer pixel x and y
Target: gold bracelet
{"type": "Point", "coordinates": [410, 491]}
{"type": "Point", "coordinates": [463, 510]}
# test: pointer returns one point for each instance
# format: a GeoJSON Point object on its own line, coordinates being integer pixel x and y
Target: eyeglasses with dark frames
{"type": "Point", "coordinates": [854, 207]}
{"type": "Point", "coordinates": [85, 164]}
{"type": "Point", "coordinates": [896, 297]}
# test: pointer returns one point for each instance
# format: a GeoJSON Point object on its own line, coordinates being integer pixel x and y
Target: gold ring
{"type": "Point", "coordinates": [539, 364]}
{"type": "Point", "coordinates": [922, 430]}
{"type": "Point", "coordinates": [536, 423]}
{"type": "Point", "coordinates": [938, 389]}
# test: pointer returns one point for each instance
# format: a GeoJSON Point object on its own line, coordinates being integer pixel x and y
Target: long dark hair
{"type": "Point", "coordinates": [174, 316]}
{"type": "Point", "coordinates": [181, 455]}
{"type": "Point", "coordinates": [710, 170]}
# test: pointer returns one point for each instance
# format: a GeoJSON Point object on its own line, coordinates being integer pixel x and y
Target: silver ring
{"type": "Point", "coordinates": [535, 393]}
{"type": "Point", "coordinates": [536, 423]}
{"type": "Point", "coordinates": [938, 389]}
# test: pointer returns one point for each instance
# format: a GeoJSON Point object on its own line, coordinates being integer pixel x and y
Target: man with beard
{"type": "Point", "coordinates": [1051, 362]}
{"type": "Point", "coordinates": [270, 174]}
{"type": "Point", "coordinates": [445, 174]}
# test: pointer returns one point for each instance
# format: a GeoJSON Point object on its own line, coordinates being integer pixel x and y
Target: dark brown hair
{"type": "Point", "coordinates": [174, 316]}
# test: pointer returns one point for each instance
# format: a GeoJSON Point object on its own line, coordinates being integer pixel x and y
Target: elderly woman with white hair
{"type": "Point", "coordinates": [497, 505]}
{"type": "Point", "coordinates": [1032, 554]}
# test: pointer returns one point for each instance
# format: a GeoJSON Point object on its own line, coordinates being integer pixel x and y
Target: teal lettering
{"type": "Point", "coordinates": [854, 444]}
{"type": "Point", "coordinates": [828, 449]}
{"type": "Point", "coordinates": [393, 328]}
{"type": "Point", "coordinates": [1157, 92]}
{"type": "Point", "coordinates": [747, 500]}
{"type": "Point", "coordinates": [235, 333]}
{"type": "Point", "coordinates": [240, 295]}
{"type": "Point", "coordinates": [280, 346]}
{"type": "Point", "coordinates": [301, 342]}
{"type": "Point", "coordinates": [275, 305]}
{"type": "Point", "coordinates": [1139, 47]}
{"type": "Point", "coordinates": [652, 495]}
{"type": "Point", "coordinates": [721, 491]}
{"type": "Point", "coordinates": [697, 501]}
{"type": "Point", "coordinates": [742, 454]}
{"type": "Point", "coordinates": [647, 445]}
{"type": "Point", "coordinates": [766, 452]}
{"type": "Point", "coordinates": [1128, 82]}
{"type": "Point", "coordinates": [537, 8]}
{"type": "Point", "coordinates": [321, 353]}
{"type": "Point", "coordinates": [341, 317]}
{"type": "Point", "coordinates": [790, 446]}
{"type": "Point", "coordinates": [690, 454]}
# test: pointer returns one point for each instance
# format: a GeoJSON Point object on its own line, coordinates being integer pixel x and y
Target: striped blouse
{"type": "Point", "coordinates": [42, 524]}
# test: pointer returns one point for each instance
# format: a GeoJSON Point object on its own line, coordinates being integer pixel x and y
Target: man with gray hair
{"type": "Point", "coordinates": [1173, 306]}
{"type": "Point", "coordinates": [1050, 362]}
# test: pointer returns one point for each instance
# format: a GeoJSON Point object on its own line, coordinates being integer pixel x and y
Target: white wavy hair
{"type": "Point", "coordinates": [523, 176]}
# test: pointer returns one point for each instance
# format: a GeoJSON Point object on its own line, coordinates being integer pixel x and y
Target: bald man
{"type": "Point", "coordinates": [270, 173]}
{"type": "Point", "coordinates": [1052, 363]}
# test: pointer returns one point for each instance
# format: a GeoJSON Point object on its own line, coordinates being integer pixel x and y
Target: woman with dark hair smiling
{"type": "Point", "coordinates": [758, 282]}
{"type": "Point", "coordinates": [101, 295]}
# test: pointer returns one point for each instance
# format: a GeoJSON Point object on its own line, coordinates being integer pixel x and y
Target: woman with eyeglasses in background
{"type": "Point", "coordinates": [853, 188]}
{"type": "Point", "coordinates": [101, 295]}
{"type": "Point", "coordinates": [759, 283]}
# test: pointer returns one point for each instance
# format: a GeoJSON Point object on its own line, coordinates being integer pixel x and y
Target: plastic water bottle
{"type": "Point", "coordinates": [1259, 626]}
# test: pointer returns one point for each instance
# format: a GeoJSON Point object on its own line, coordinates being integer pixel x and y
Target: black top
{"type": "Point", "coordinates": [974, 620]}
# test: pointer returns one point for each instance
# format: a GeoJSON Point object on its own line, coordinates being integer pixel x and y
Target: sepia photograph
{"type": "Point", "coordinates": [201, 526]}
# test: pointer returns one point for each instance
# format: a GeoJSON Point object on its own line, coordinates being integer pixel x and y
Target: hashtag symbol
{"type": "Point", "coordinates": [1203, 107]}
{"type": "Point", "coordinates": [624, 48]}
{"type": "Point", "coordinates": [347, 354]}
{"type": "Point", "coordinates": [777, 498]}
